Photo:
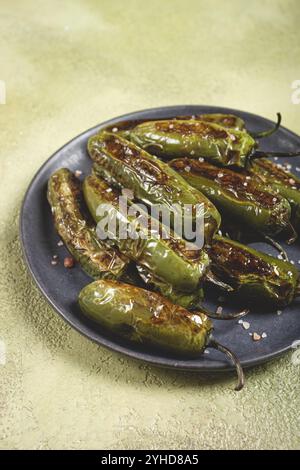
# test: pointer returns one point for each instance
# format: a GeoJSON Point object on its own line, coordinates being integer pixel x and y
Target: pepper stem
{"type": "Point", "coordinates": [293, 235]}
{"type": "Point", "coordinates": [224, 316]}
{"type": "Point", "coordinates": [260, 154]}
{"type": "Point", "coordinates": [260, 135]}
{"type": "Point", "coordinates": [210, 277]}
{"type": "Point", "coordinates": [277, 246]}
{"type": "Point", "coordinates": [240, 373]}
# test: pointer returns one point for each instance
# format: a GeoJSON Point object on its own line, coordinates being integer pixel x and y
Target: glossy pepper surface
{"type": "Point", "coordinates": [255, 276]}
{"type": "Point", "coordinates": [166, 259]}
{"type": "Point", "coordinates": [230, 121]}
{"type": "Point", "coordinates": [195, 139]}
{"type": "Point", "coordinates": [151, 180]}
{"type": "Point", "coordinates": [281, 180]}
{"type": "Point", "coordinates": [79, 236]}
{"type": "Point", "coordinates": [145, 317]}
{"type": "Point", "coordinates": [148, 318]}
{"type": "Point", "coordinates": [237, 196]}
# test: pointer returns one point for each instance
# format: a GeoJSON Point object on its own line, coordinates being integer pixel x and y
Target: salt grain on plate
{"type": "Point", "coordinates": [279, 312]}
{"type": "Point", "coordinates": [246, 325]}
{"type": "Point", "coordinates": [60, 243]}
{"type": "Point", "coordinates": [256, 337]}
{"type": "Point", "coordinates": [219, 310]}
{"type": "Point", "coordinates": [54, 262]}
{"type": "Point", "coordinates": [264, 335]}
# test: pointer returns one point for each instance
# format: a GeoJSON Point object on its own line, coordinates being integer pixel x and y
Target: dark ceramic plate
{"type": "Point", "coordinates": [61, 286]}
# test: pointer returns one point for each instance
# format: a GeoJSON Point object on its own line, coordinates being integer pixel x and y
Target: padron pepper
{"type": "Point", "coordinates": [79, 236]}
{"type": "Point", "coordinates": [283, 182]}
{"type": "Point", "coordinates": [148, 318]}
{"type": "Point", "coordinates": [231, 121]}
{"type": "Point", "coordinates": [177, 273]}
{"type": "Point", "coordinates": [223, 146]}
{"type": "Point", "coordinates": [256, 277]}
{"type": "Point", "coordinates": [152, 181]}
{"type": "Point", "coordinates": [238, 197]}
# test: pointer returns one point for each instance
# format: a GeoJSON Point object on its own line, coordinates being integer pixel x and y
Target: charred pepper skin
{"type": "Point", "coordinates": [176, 269]}
{"type": "Point", "coordinates": [282, 181]}
{"type": "Point", "coordinates": [151, 180]}
{"type": "Point", "coordinates": [145, 317]}
{"type": "Point", "coordinates": [229, 121]}
{"type": "Point", "coordinates": [255, 276]}
{"type": "Point", "coordinates": [238, 196]}
{"type": "Point", "coordinates": [196, 139]}
{"type": "Point", "coordinates": [96, 259]}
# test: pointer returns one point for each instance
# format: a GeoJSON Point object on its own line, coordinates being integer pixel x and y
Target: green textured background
{"type": "Point", "coordinates": [68, 66]}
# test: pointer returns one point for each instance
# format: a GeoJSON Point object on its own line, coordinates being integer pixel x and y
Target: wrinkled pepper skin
{"type": "Point", "coordinates": [165, 259]}
{"type": "Point", "coordinates": [151, 180]}
{"type": "Point", "coordinates": [237, 196]}
{"type": "Point", "coordinates": [195, 139]}
{"type": "Point", "coordinates": [282, 181]}
{"type": "Point", "coordinates": [229, 121]}
{"type": "Point", "coordinates": [145, 317]}
{"type": "Point", "coordinates": [256, 277]}
{"type": "Point", "coordinates": [96, 259]}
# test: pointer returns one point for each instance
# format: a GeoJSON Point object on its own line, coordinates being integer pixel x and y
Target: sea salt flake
{"type": "Point", "coordinates": [256, 337]}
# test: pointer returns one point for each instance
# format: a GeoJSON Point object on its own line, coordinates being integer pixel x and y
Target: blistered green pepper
{"type": "Point", "coordinates": [97, 259]}
{"type": "Point", "coordinates": [175, 138]}
{"type": "Point", "coordinates": [281, 180]}
{"type": "Point", "coordinates": [194, 138]}
{"type": "Point", "coordinates": [256, 277]}
{"type": "Point", "coordinates": [147, 318]}
{"type": "Point", "coordinates": [176, 268]}
{"type": "Point", "coordinates": [151, 180]}
{"type": "Point", "coordinates": [237, 196]}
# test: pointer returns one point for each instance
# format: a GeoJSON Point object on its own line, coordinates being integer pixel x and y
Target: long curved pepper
{"type": "Point", "coordinates": [146, 317]}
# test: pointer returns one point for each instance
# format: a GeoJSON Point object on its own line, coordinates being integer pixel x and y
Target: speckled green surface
{"type": "Point", "coordinates": [68, 66]}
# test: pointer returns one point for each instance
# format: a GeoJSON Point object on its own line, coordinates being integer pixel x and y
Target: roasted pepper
{"type": "Point", "coordinates": [237, 196]}
{"type": "Point", "coordinates": [255, 276]}
{"type": "Point", "coordinates": [281, 180]}
{"type": "Point", "coordinates": [151, 180]}
{"type": "Point", "coordinates": [168, 260]}
{"type": "Point", "coordinates": [199, 139]}
{"type": "Point", "coordinates": [147, 318]}
{"type": "Point", "coordinates": [97, 259]}
{"type": "Point", "coordinates": [231, 121]}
